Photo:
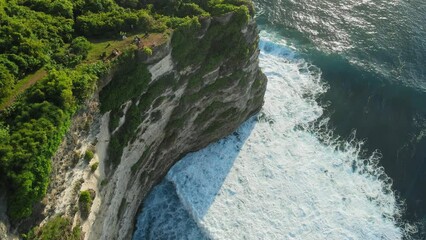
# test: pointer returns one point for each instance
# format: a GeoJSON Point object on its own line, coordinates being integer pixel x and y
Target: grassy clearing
{"type": "Point", "coordinates": [101, 49]}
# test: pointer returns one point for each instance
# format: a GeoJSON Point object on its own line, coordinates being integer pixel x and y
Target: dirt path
{"type": "Point", "coordinates": [150, 40]}
{"type": "Point", "coordinates": [21, 87]}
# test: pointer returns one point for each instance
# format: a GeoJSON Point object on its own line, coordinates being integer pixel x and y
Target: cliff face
{"type": "Point", "coordinates": [193, 108]}
{"type": "Point", "coordinates": [198, 86]}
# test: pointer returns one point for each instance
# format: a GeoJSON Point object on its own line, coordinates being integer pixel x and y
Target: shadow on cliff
{"type": "Point", "coordinates": [174, 208]}
{"type": "Point", "coordinates": [199, 176]}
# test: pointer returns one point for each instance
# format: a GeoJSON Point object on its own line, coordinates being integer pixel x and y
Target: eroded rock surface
{"type": "Point", "coordinates": [182, 106]}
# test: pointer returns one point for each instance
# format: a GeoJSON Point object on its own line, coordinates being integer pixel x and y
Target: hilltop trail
{"type": "Point", "coordinates": [26, 83]}
{"type": "Point", "coordinates": [107, 46]}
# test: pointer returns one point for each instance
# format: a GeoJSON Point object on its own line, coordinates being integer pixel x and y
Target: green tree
{"type": "Point", "coordinates": [7, 82]}
{"type": "Point", "coordinates": [129, 3]}
{"type": "Point", "coordinates": [5, 151]}
{"type": "Point", "coordinates": [80, 46]}
{"type": "Point", "coordinates": [82, 7]}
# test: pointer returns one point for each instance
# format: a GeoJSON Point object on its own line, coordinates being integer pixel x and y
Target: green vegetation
{"type": "Point", "coordinates": [88, 155]}
{"type": "Point", "coordinates": [51, 56]}
{"type": "Point", "coordinates": [124, 134]}
{"type": "Point", "coordinates": [209, 112]}
{"type": "Point", "coordinates": [102, 48]}
{"type": "Point", "coordinates": [135, 113]}
{"type": "Point", "coordinates": [101, 23]}
{"type": "Point", "coordinates": [21, 86]}
{"type": "Point", "coordinates": [35, 127]}
{"type": "Point", "coordinates": [85, 202]}
{"type": "Point", "coordinates": [131, 78]}
{"type": "Point", "coordinates": [56, 228]}
{"type": "Point", "coordinates": [114, 119]}
{"type": "Point", "coordinates": [77, 186]}
{"type": "Point", "coordinates": [210, 50]}
{"type": "Point", "coordinates": [147, 51]}
{"type": "Point", "coordinates": [94, 166]}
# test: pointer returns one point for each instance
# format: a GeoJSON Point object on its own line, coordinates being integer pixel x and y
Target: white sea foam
{"type": "Point", "coordinates": [274, 178]}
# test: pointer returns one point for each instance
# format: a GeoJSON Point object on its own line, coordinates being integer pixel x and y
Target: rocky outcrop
{"type": "Point", "coordinates": [154, 110]}
{"type": "Point", "coordinates": [184, 117]}
{"type": "Point", "coordinates": [4, 221]}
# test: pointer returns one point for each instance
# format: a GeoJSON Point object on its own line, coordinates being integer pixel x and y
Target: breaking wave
{"type": "Point", "coordinates": [281, 175]}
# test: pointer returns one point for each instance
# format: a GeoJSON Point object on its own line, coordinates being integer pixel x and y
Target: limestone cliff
{"type": "Point", "coordinates": [196, 87]}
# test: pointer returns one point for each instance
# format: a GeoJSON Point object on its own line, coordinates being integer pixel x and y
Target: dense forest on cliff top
{"type": "Point", "coordinates": [49, 66]}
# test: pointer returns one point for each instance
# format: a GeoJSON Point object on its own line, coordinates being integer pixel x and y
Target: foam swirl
{"type": "Point", "coordinates": [274, 178]}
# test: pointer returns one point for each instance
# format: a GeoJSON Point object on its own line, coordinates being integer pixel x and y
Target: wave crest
{"type": "Point", "coordinates": [283, 174]}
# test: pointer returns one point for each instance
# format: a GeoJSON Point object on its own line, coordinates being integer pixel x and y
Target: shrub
{"type": "Point", "coordinates": [147, 51]}
{"type": "Point", "coordinates": [56, 228]}
{"type": "Point", "coordinates": [6, 82]}
{"type": "Point", "coordinates": [131, 78]}
{"type": "Point", "coordinates": [88, 155]}
{"type": "Point", "coordinates": [191, 9]}
{"type": "Point", "coordinates": [80, 46]}
{"type": "Point", "coordinates": [94, 167]}
{"type": "Point", "coordinates": [100, 24]}
{"type": "Point", "coordinates": [85, 202]}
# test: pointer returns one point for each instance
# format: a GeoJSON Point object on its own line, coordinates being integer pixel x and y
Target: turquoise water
{"type": "Point", "coordinates": [343, 129]}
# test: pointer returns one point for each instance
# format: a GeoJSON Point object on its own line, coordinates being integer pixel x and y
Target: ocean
{"type": "Point", "coordinates": [338, 150]}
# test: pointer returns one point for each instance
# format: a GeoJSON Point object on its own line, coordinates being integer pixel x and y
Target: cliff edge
{"type": "Point", "coordinates": [194, 88]}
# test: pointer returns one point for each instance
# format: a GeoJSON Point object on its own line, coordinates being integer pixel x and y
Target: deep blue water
{"type": "Point", "coordinates": [372, 55]}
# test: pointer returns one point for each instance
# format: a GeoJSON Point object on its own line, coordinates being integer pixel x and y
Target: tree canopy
{"type": "Point", "coordinates": [58, 35]}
